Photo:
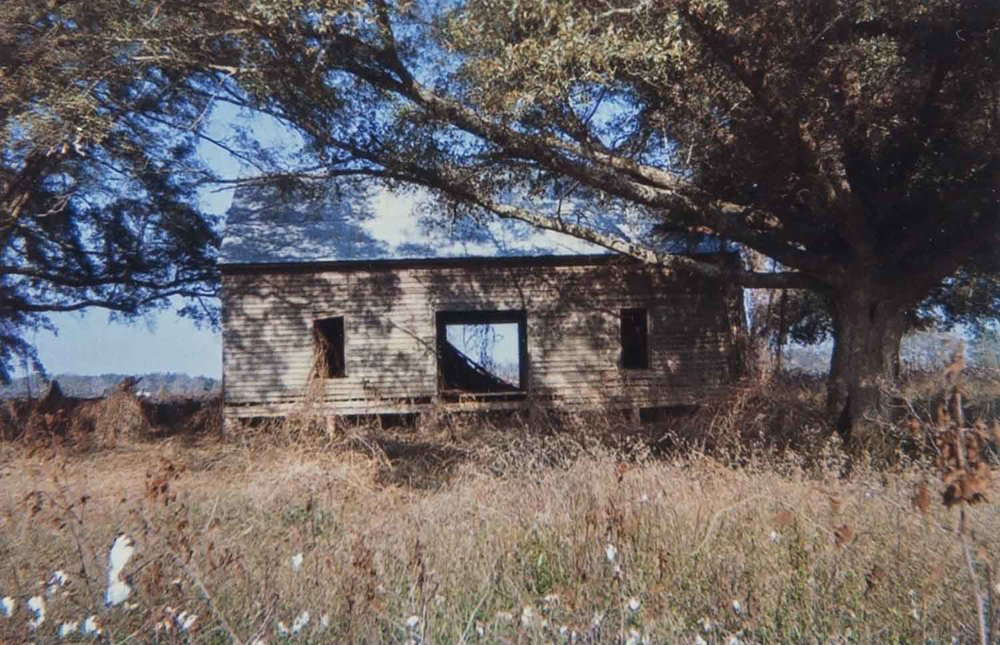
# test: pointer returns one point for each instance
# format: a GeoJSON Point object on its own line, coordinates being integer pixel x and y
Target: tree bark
{"type": "Point", "coordinates": [868, 328]}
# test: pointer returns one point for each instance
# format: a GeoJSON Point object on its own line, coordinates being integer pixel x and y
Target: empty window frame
{"type": "Point", "coordinates": [635, 339]}
{"type": "Point", "coordinates": [482, 352]}
{"type": "Point", "coordinates": [328, 336]}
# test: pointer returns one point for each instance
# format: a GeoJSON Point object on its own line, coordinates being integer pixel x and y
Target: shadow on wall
{"type": "Point", "coordinates": [573, 327]}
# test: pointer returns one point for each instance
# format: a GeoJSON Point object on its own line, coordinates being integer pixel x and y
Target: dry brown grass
{"type": "Point", "coordinates": [510, 546]}
{"type": "Point", "coordinates": [740, 521]}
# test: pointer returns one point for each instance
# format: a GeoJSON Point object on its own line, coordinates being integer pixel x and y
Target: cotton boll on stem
{"type": "Point", "coordinates": [91, 627]}
{"type": "Point", "coordinates": [300, 622]}
{"type": "Point", "coordinates": [7, 606]}
{"type": "Point", "coordinates": [185, 621]}
{"type": "Point", "coordinates": [68, 629]}
{"type": "Point", "coordinates": [117, 593]}
{"type": "Point", "coordinates": [121, 552]}
{"type": "Point", "coordinates": [36, 604]}
{"type": "Point", "coordinates": [56, 580]}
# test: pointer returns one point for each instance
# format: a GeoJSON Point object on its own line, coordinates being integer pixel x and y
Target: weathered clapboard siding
{"type": "Point", "coordinates": [573, 344]}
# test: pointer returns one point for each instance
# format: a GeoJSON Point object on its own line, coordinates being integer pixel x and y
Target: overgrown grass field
{"type": "Point", "coordinates": [516, 536]}
{"type": "Point", "coordinates": [675, 551]}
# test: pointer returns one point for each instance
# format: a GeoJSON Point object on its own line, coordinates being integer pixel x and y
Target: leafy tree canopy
{"type": "Point", "coordinates": [98, 169]}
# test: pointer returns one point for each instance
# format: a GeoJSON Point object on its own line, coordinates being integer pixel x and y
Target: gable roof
{"type": "Point", "coordinates": [268, 226]}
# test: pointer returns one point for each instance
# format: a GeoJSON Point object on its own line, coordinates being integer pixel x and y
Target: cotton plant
{"type": "Point", "coordinates": [118, 589]}
{"type": "Point", "coordinates": [7, 606]}
{"type": "Point", "coordinates": [36, 605]}
{"type": "Point", "coordinates": [68, 629]}
{"type": "Point", "coordinates": [56, 581]}
{"type": "Point", "coordinates": [414, 634]}
{"type": "Point", "coordinates": [298, 625]}
{"type": "Point", "coordinates": [182, 621]}
{"type": "Point", "coordinates": [117, 592]}
{"type": "Point", "coordinates": [91, 627]}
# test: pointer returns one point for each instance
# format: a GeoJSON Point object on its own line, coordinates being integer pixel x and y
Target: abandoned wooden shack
{"type": "Point", "coordinates": [374, 313]}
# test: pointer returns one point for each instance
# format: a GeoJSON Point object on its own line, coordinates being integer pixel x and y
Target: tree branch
{"type": "Point", "coordinates": [607, 172]}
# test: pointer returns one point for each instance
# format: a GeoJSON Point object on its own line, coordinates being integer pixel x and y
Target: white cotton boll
{"type": "Point", "coordinates": [634, 637]}
{"type": "Point", "coordinates": [121, 553]}
{"type": "Point", "coordinates": [644, 498]}
{"type": "Point", "coordinates": [634, 605]}
{"type": "Point", "coordinates": [91, 627]}
{"type": "Point", "coordinates": [480, 629]}
{"type": "Point", "coordinates": [324, 621]}
{"type": "Point", "coordinates": [551, 599]}
{"type": "Point", "coordinates": [117, 593]}
{"type": "Point", "coordinates": [68, 629]}
{"type": "Point", "coordinates": [527, 616]}
{"type": "Point", "coordinates": [611, 552]}
{"type": "Point", "coordinates": [282, 628]}
{"type": "Point", "coordinates": [7, 606]}
{"type": "Point", "coordinates": [737, 607]}
{"type": "Point", "coordinates": [56, 580]}
{"type": "Point", "coordinates": [185, 621]}
{"type": "Point", "coordinates": [597, 619]}
{"type": "Point", "coordinates": [698, 640]}
{"type": "Point", "coordinates": [300, 622]}
{"type": "Point", "coordinates": [706, 624]}
{"type": "Point", "coordinates": [297, 561]}
{"type": "Point", "coordinates": [36, 604]}
{"type": "Point", "coordinates": [734, 640]}
{"type": "Point", "coordinates": [412, 622]}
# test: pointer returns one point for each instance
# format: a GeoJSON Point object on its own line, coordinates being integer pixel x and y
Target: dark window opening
{"type": "Point", "coordinates": [328, 334]}
{"type": "Point", "coordinates": [482, 352]}
{"type": "Point", "coordinates": [635, 339]}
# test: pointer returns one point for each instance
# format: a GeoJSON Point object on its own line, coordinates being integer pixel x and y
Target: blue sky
{"type": "Point", "coordinates": [89, 343]}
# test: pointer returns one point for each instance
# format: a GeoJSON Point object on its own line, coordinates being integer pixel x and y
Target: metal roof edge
{"type": "Point", "coordinates": [232, 268]}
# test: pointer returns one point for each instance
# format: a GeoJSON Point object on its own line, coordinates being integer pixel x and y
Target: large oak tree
{"type": "Point", "coordinates": [854, 142]}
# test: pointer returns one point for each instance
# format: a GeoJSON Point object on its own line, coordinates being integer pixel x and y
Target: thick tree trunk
{"type": "Point", "coordinates": [868, 328]}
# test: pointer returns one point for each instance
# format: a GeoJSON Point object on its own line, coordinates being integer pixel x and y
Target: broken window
{"type": "Point", "coordinates": [328, 334]}
{"type": "Point", "coordinates": [635, 339]}
{"type": "Point", "coordinates": [482, 352]}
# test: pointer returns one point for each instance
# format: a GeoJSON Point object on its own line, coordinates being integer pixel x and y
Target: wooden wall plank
{"type": "Point", "coordinates": [572, 332]}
